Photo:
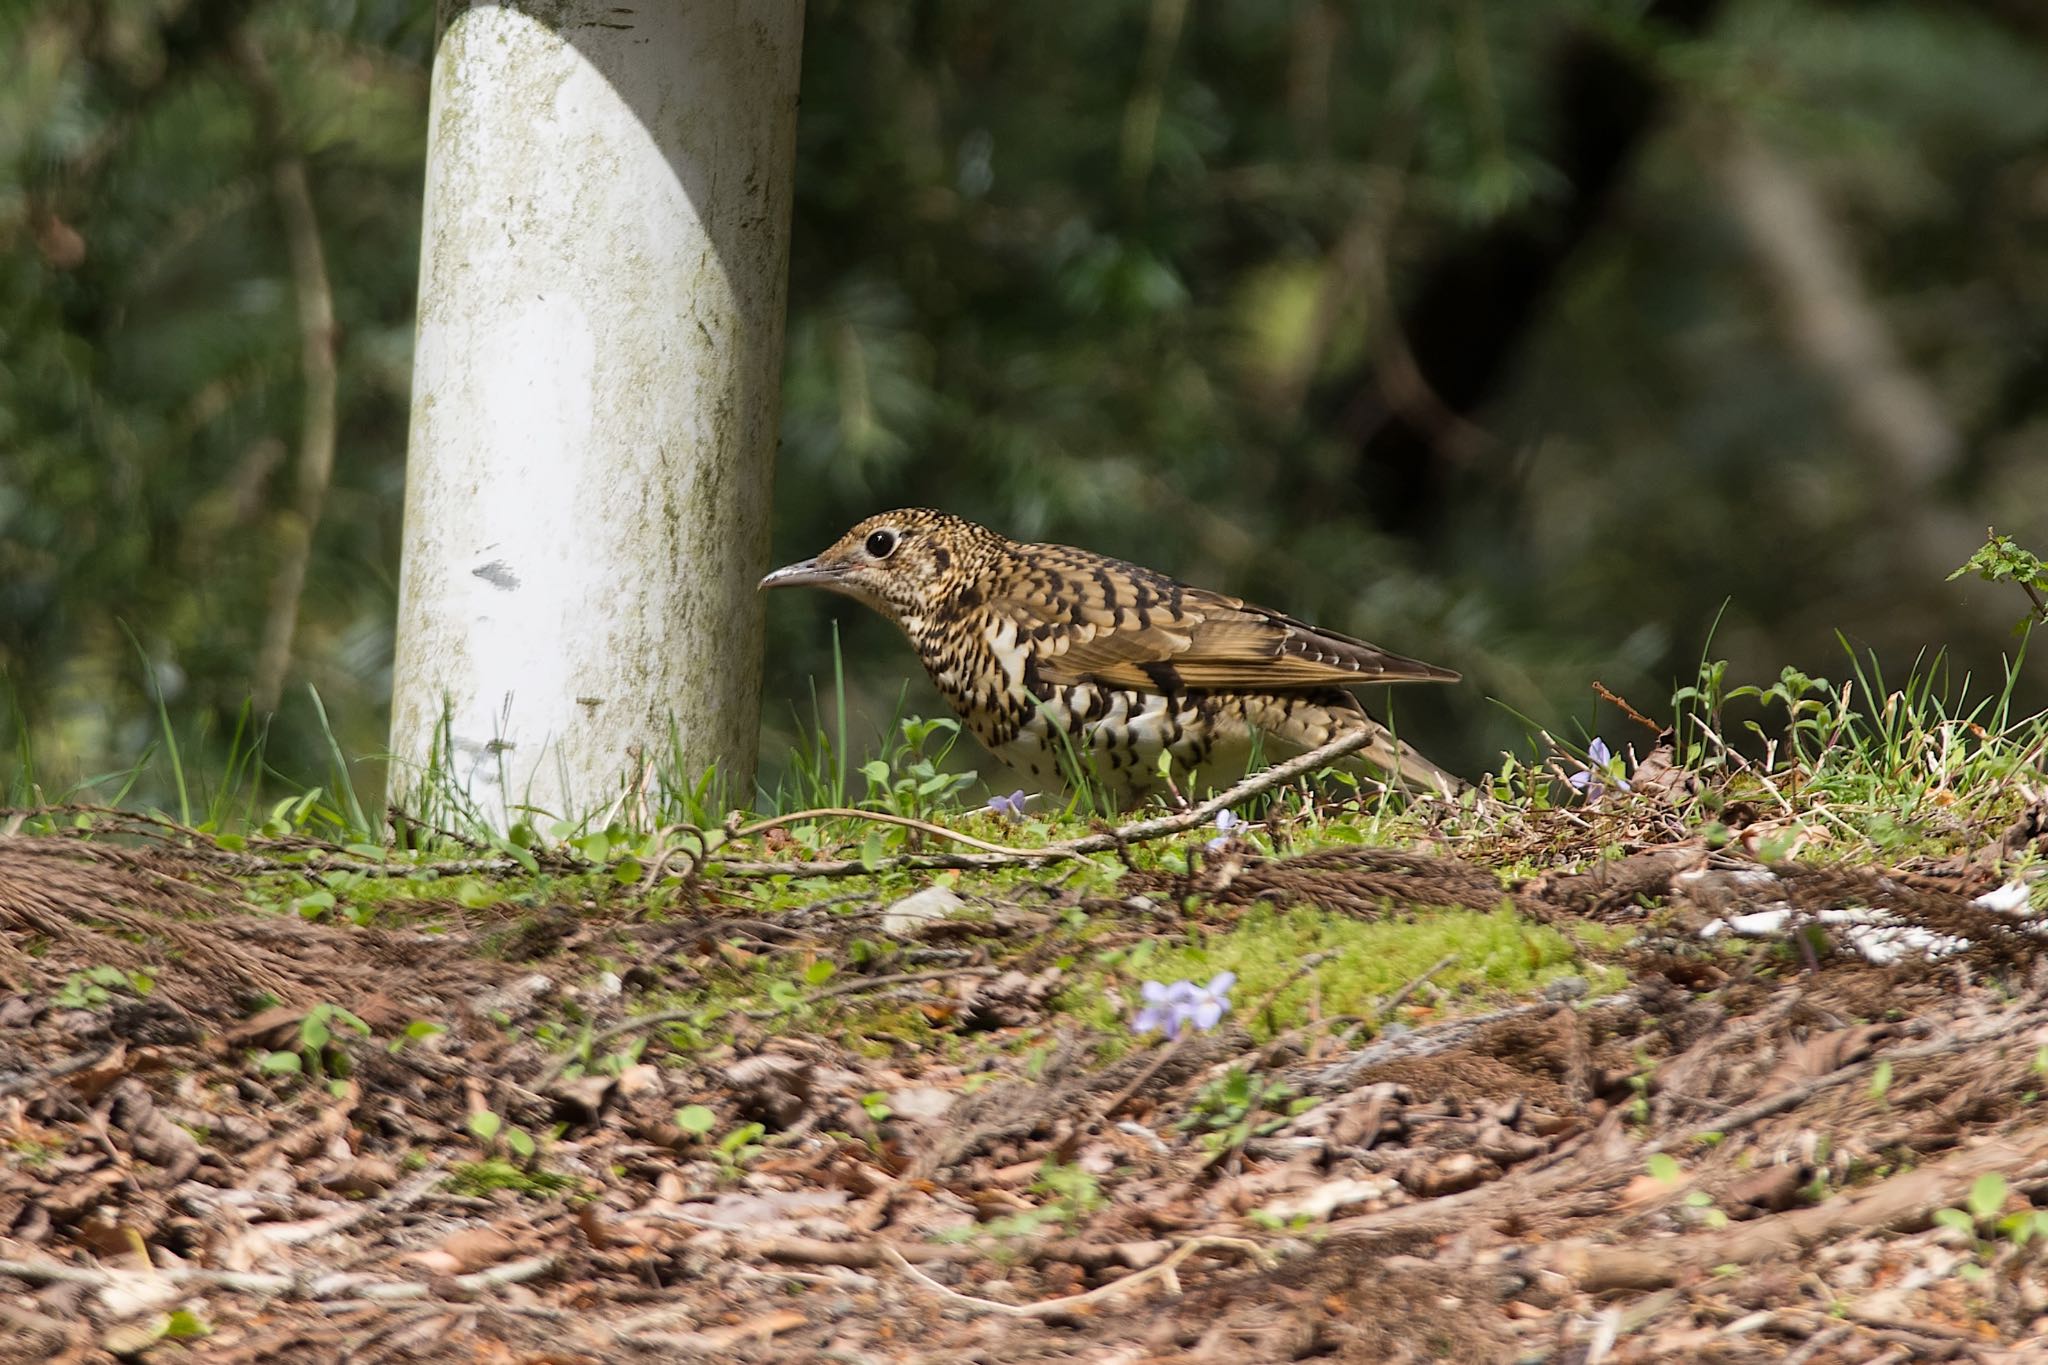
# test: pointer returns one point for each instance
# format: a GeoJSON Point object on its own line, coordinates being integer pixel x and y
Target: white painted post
{"type": "Point", "coordinates": [595, 388]}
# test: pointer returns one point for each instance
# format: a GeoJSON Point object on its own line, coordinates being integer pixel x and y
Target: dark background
{"type": "Point", "coordinates": [1517, 336]}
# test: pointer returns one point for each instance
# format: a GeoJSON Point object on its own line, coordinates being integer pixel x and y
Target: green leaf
{"type": "Point", "coordinates": [695, 1119]}
{"type": "Point", "coordinates": [1957, 1219]}
{"type": "Point", "coordinates": [1987, 1194]}
{"type": "Point", "coordinates": [627, 871]}
{"type": "Point", "coordinates": [819, 972]}
{"type": "Point", "coordinates": [732, 1142]}
{"type": "Point", "coordinates": [1881, 1079]}
{"type": "Point", "coordinates": [871, 851]}
{"type": "Point", "coordinates": [485, 1125]}
{"type": "Point", "coordinates": [1664, 1167]}
{"type": "Point", "coordinates": [184, 1325]}
{"type": "Point", "coordinates": [281, 1063]}
{"type": "Point", "coordinates": [520, 1141]}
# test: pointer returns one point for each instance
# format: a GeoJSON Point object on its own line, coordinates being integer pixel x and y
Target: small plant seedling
{"type": "Point", "coordinates": [1070, 1194]}
{"type": "Point", "coordinates": [488, 1127]}
{"type": "Point", "coordinates": [2001, 560]}
{"type": "Point", "coordinates": [908, 781]}
{"type": "Point", "coordinates": [1702, 1204]}
{"type": "Point", "coordinates": [317, 1053]}
{"type": "Point", "coordinates": [1227, 1111]}
{"type": "Point", "coordinates": [418, 1031]}
{"type": "Point", "coordinates": [738, 1148]}
{"type": "Point", "coordinates": [94, 987]}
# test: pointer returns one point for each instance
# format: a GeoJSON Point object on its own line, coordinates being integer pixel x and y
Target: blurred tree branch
{"type": "Point", "coordinates": [1835, 329]}
{"type": "Point", "coordinates": [1832, 323]}
{"type": "Point", "coordinates": [318, 372]}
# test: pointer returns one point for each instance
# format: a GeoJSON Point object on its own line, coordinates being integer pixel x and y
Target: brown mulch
{"type": "Point", "coordinates": [1479, 1188]}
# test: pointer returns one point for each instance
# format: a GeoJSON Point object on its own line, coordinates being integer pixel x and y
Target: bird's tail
{"type": "Point", "coordinates": [1390, 756]}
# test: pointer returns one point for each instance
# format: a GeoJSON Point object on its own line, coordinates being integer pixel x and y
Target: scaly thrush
{"type": "Point", "coordinates": [1047, 650]}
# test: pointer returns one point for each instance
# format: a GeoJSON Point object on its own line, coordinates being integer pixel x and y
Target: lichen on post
{"type": "Point", "coordinates": [595, 388]}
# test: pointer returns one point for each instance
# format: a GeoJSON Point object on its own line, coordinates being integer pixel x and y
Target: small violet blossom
{"type": "Point", "coordinates": [1227, 825]}
{"type": "Point", "coordinates": [1169, 1009]}
{"type": "Point", "coordinates": [1592, 782]}
{"type": "Point", "coordinates": [1009, 807]}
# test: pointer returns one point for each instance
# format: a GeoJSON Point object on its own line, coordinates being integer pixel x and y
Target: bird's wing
{"type": "Point", "coordinates": [1086, 617]}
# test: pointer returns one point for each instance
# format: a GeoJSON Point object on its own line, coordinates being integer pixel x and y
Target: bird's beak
{"type": "Point", "coordinates": [805, 573]}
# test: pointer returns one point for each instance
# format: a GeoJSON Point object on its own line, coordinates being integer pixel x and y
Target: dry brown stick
{"type": "Point", "coordinates": [1048, 1308]}
{"type": "Point", "coordinates": [848, 1255]}
{"type": "Point", "coordinates": [854, 987]}
{"type": "Point", "coordinates": [1138, 831]}
{"type": "Point", "coordinates": [323, 1284]}
{"type": "Point", "coordinates": [879, 818]}
{"type": "Point", "coordinates": [1901, 1202]}
{"type": "Point", "coordinates": [1400, 997]}
{"type": "Point", "coordinates": [1793, 1096]}
{"type": "Point", "coordinates": [201, 846]}
{"type": "Point", "coordinates": [1638, 717]}
{"type": "Point", "coordinates": [1153, 1068]}
{"type": "Point", "coordinates": [399, 1197]}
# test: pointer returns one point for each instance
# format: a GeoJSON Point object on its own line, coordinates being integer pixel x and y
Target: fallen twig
{"type": "Point", "coordinates": [1138, 831]}
{"type": "Point", "coordinates": [398, 1197]}
{"type": "Point", "coordinates": [1051, 1308]}
{"type": "Point", "coordinates": [1899, 1203]}
{"type": "Point", "coordinates": [646, 1021]}
{"type": "Point", "coordinates": [1793, 1096]}
{"type": "Point", "coordinates": [1400, 997]}
{"type": "Point", "coordinates": [878, 818]}
{"type": "Point", "coordinates": [323, 1284]}
{"type": "Point", "coordinates": [1434, 1038]}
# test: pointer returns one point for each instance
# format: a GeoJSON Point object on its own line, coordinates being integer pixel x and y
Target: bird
{"type": "Point", "coordinates": [1055, 657]}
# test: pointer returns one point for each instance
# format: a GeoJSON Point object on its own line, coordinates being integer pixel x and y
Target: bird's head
{"type": "Point", "coordinates": [906, 563]}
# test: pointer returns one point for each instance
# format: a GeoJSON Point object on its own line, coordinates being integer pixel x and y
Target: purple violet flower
{"type": "Point", "coordinates": [1009, 807]}
{"type": "Point", "coordinates": [1228, 824]}
{"type": "Point", "coordinates": [1600, 769]}
{"type": "Point", "coordinates": [1208, 1004]}
{"type": "Point", "coordinates": [1164, 1005]}
{"type": "Point", "coordinates": [1170, 1008]}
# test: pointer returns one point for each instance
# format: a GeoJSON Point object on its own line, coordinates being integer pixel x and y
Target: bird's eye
{"type": "Point", "coordinates": [882, 544]}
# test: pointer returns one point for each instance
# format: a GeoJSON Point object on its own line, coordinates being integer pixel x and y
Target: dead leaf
{"type": "Point", "coordinates": [475, 1248]}
{"type": "Point", "coordinates": [772, 1088]}
{"type": "Point", "coordinates": [1825, 1052]}
{"type": "Point", "coordinates": [756, 1330]}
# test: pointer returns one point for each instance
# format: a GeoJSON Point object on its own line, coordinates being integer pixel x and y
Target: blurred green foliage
{"type": "Point", "coordinates": [1467, 326]}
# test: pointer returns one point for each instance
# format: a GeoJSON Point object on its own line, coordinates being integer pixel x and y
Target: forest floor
{"type": "Point", "coordinates": [1488, 1089]}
